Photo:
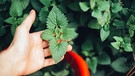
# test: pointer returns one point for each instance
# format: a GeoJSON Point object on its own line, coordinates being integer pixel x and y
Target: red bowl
{"type": "Point", "coordinates": [77, 63]}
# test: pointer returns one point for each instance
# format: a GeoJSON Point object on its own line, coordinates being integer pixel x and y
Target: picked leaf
{"type": "Point", "coordinates": [57, 49]}
{"type": "Point", "coordinates": [56, 18]}
{"type": "Point", "coordinates": [48, 34]}
{"type": "Point", "coordinates": [57, 34]}
{"type": "Point", "coordinates": [67, 35]}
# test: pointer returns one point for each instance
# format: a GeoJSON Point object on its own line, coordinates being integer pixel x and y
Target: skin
{"type": "Point", "coordinates": [26, 53]}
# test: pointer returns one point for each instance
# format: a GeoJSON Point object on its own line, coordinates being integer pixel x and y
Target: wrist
{"type": "Point", "coordinates": [7, 64]}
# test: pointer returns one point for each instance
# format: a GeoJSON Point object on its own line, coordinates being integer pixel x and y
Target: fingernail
{"type": "Point", "coordinates": [31, 11]}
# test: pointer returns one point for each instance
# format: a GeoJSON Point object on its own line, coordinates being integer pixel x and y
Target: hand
{"type": "Point", "coordinates": [26, 53]}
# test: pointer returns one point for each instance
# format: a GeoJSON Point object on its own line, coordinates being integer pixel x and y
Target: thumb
{"type": "Point", "coordinates": [29, 20]}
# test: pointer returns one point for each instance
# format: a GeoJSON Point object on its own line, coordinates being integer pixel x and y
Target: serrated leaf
{"type": "Point", "coordinates": [17, 7]}
{"type": "Point", "coordinates": [43, 15]}
{"type": "Point", "coordinates": [119, 65]}
{"type": "Point", "coordinates": [24, 3]}
{"type": "Point", "coordinates": [48, 34]}
{"type": "Point", "coordinates": [46, 2]}
{"type": "Point", "coordinates": [104, 34]}
{"type": "Point", "coordinates": [68, 34]}
{"type": "Point", "coordinates": [10, 20]}
{"type": "Point", "coordinates": [116, 45]}
{"type": "Point", "coordinates": [92, 63]}
{"type": "Point", "coordinates": [84, 6]}
{"type": "Point", "coordinates": [56, 18]}
{"type": "Point", "coordinates": [116, 7]}
{"type": "Point", "coordinates": [57, 49]}
{"type": "Point", "coordinates": [104, 59]}
{"type": "Point", "coordinates": [94, 24]}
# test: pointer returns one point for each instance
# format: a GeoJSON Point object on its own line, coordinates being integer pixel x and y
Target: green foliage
{"type": "Point", "coordinates": [119, 65]}
{"type": "Point", "coordinates": [57, 33]}
{"type": "Point", "coordinates": [105, 31]}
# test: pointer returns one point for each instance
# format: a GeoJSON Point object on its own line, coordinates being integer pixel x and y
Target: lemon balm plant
{"type": "Point", "coordinates": [105, 31]}
{"type": "Point", "coordinates": [57, 33]}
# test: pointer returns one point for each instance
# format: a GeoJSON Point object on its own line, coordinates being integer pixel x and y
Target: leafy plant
{"type": "Point", "coordinates": [57, 33]}
{"type": "Point", "coordinates": [105, 31]}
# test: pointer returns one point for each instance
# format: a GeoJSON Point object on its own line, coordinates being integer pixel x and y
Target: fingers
{"type": "Point", "coordinates": [69, 48]}
{"type": "Point", "coordinates": [50, 61]}
{"type": "Point", "coordinates": [29, 20]}
{"type": "Point", "coordinates": [46, 52]}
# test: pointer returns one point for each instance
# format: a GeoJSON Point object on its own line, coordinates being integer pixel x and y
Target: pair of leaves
{"type": "Point", "coordinates": [57, 33]}
{"type": "Point", "coordinates": [92, 63]}
{"type": "Point", "coordinates": [122, 43]}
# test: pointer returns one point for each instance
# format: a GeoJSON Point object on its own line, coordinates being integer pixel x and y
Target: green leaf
{"type": "Point", "coordinates": [119, 65]}
{"type": "Point", "coordinates": [92, 63]}
{"type": "Point", "coordinates": [127, 47]}
{"type": "Point", "coordinates": [105, 19]}
{"type": "Point", "coordinates": [104, 34]}
{"type": "Point", "coordinates": [56, 18]}
{"type": "Point", "coordinates": [74, 6]}
{"type": "Point", "coordinates": [103, 5]}
{"type": "Point", "coordinates": [17, 7]}
{"type": "Point", "coordinates": [38, 73]}
{"type": "Point", "coordinates": [96, 13]}
{"type": "Point", "coordinates": [10, 20]}
{"type": "Point", "coordinates": [47, 3]}
{"type": "Point", "coordinates": [116, 45]}
{"type": "Point", "coordinates": [57, 49]}
{"type": "Point", "coordinates": [36, 5]}
{"type": "Point", "coordinates": [13, 28]}
{"type": "Point", "coordinates": [48, 34]}
{"type": "Point", "coordinates": [43, 15]}
{"type": "Point", "coordinates": [68, 34]}
{"type": "Point", "coordinates": [93, 3]}
{"type": "Point", "coordinates": [63, 72]}
{"type": "Point", "coordinates": [87, 45]}
{"type": "Point", "coordinates": [118, 39]}
{"type": "Point", "coordinates": [116, 7]}
{"type": "Point", "coordinates": [94, 24]}
{"type": "Point", "coordinates": [84, 6]}
{"type": "Point", "coordinates": [104, 59]}
{"type": "Point", "coordinates": [24, 3]}
{"type": "Point", "coordinates": [118, 23]}
{"type": "Point", "coordinates": [131, 20]}
{"type": "Point", "coordinates": [125, 11]}
{"type": "Point", "coordinates": [47, 74]}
